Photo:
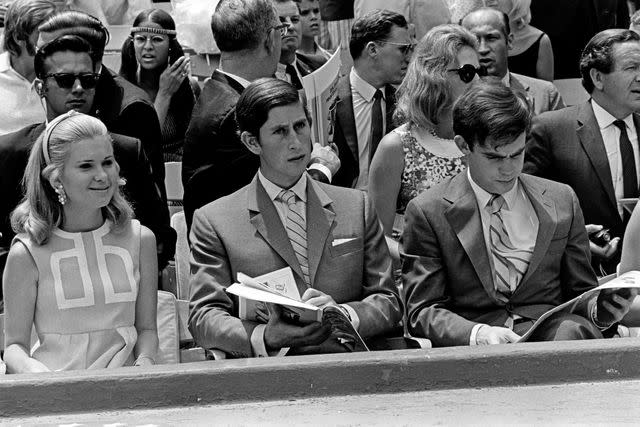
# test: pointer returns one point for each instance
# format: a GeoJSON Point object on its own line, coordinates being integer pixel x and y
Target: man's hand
{"type": "Point", "coordinates": [317, 298]}
{"type": "Point", "coordinates": [327, 156]}
{"type": "Point", "coordinates": [613, 304]}
{"type": "Point", "coordinates": [495, 335]}
{"type": "Point", "coordinates": [278, 333]}
{"type": "Point", "coordinates": [605, 252]}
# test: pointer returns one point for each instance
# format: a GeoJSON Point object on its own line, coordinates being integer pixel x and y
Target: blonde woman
{"type": "Point", "coordinates": [80, 269]}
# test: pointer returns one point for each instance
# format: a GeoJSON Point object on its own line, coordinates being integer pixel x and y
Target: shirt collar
{"type": "Point", "coordinates": [243, 82]}
{"type": "Point", "coordinates": [506, 80]}
{"type": "Point", "coordinates": [5, 63]}
{"type": "Point", "coordinates": [483, 196]}
{"type": "Point", "coordinates": [273, 190]}
{"type": "Point", "coordinates": [361, 86]}
{"type": "Point", "coordinates": [605, 119]}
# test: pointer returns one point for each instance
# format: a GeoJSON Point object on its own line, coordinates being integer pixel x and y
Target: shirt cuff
{"type": "Point", "coordinates": [322, 168]}
{"type": "Point", "coordinates": [258, 346]}
{"type": "Point", "coordinates": [474, 333]}
{"type": "Point", "coordinates": [353, 316]}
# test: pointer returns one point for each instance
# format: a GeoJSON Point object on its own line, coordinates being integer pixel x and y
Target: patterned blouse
{"type": "Point", "coordinates": [422, 169]}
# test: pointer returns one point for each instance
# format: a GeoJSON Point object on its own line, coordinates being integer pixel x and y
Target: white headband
{"type": "Point", "coordinates": [49, 129]}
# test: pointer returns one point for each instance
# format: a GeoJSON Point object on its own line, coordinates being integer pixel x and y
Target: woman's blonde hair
{"type": "Point", "coordinates": [40, 212]}
{"type": "Point", "coordinates": [425, 93]}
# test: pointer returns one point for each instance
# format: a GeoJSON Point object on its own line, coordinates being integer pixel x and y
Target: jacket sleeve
{"type": "Point", "coordinates": [538, 157]}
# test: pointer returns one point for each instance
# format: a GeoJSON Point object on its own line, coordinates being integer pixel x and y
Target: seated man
{"type": "Point", "coordinates": [487, 252]}
{"type": "Point", "coordinates": [329, 237]}
{"type": "Point", "coordinates": [66, 81]}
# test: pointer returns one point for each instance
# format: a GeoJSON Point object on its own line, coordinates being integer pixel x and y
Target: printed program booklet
{"type": "Point", "coordinates": [279, 287]}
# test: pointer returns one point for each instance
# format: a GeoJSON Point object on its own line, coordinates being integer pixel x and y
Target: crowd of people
{"type": "Point", "coordinates": [458, 200]}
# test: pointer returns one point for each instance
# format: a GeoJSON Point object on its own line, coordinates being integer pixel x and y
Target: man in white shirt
{"type": "Point", "coordinates": [593, 147]}
{"type": "Point", "coordinates": [329, 236]}
{"type": "Point", "coordinates": [21, 104]}
{"type": "Point", "coordinates": [381, 49]}
{"type": "Point", "coordinates": [487, 252]}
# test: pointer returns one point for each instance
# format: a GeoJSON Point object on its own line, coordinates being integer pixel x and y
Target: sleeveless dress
{"type": "Point", "coordinates": [525, 63]}
{"type": "Point", "coordinates": [87, 289]}
{"type": "Point", "coordinates": [422, 169]}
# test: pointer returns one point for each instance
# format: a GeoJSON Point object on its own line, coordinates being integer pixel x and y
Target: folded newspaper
{"type": "Point", "coordinates": [630, 279]}
{"type": "Point", "coordinates": [279, 287]}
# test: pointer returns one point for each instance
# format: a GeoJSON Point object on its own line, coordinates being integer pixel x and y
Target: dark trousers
{"type": "Point", "coordinates": [561, 327]}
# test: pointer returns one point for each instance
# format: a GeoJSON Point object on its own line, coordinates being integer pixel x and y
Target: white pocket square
{"type": "Point", "coordinates": [337, 242]}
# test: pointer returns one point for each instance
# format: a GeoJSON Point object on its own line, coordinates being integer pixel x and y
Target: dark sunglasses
{"type": "Point", "coordinates": [467, 72]}
{"type": "Point", "coordinates": [67, 80]}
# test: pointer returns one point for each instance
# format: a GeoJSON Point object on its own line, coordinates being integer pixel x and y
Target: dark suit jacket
{"type": "Point", "coordinates": [307, 64]}
{"type": "Point", "coordinates": [243, 233]}
{"type": "Point", "coordinates": [567, 146]}
{"type": "Point", "coordinates": [571, 23]}
{"type": "Point", "coordinates": [446, 267]}
{"type": "Point", "coordinates": [345, 135]}
{"type": "Point", "coordinates": [140, 188]}
{"type": "Point", "coordinates": [125, 109]}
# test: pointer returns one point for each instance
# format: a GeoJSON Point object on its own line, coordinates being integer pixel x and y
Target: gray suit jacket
{"type": "Point", "coordinates": [243, 233]}
{"type": "Point", "coordinates": [542, 95]}
{"type": "Point", "coordinates": [447, 272]}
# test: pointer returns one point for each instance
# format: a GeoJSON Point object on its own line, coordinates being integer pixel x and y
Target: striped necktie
{"type": "Point", "coordinates": [297, 230]}
{"type": "Point", "coordinates": [510, 263]}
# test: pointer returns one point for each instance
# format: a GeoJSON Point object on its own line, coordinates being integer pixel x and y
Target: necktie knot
{"type": "Point", "coordinates": [496, 203]}
{"type": "Point", "coordinates": [288, 196]}
{"type": "Point", "coordinates": [377, 95]}
{"type": "Point", "coordinates": [620, 124]}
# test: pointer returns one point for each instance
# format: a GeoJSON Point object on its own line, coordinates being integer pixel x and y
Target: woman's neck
{"type": "Point", "coordinates": [78, 220]}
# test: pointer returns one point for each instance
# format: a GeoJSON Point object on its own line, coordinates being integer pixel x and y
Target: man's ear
{"type": "Point", "coordinates": [371, 49]}
{"type": "Point", "coordinates": [596, 78]}
{"type": "Point", "coordinates": [462, 144]}
{"type": "Point", "coordinates": [41, 88]}
{"type": "Point", "coordinates": [251, 142]}
{"type": "Point", "coordinates": [510, 41]}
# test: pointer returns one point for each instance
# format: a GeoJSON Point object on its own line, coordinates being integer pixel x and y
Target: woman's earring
{"type": "Point", "coordinates": [62, 197]}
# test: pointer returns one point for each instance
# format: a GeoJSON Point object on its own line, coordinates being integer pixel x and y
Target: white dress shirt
{"type": "Point", "coordinates": [611, 137]}
{"type": "Point", "coordinates": [21, 106]}
{"type": "Point", "coordinates": [519, 218]}
{"type": "Point", "coordinates": [362, 94]}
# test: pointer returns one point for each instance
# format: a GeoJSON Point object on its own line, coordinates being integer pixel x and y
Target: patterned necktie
{"type": "Point", "coordinates": [629, 177]}
{"type": "Point", "coordinates": [293, 74]}
{"type": "Point", "coordinates": [297, 230]}
{"type": "Point", "coordinates": [376, 123]}
{"type": "Point", "coordinates": [509, 262]}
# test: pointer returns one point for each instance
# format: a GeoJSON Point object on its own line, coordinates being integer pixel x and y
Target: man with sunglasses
{"type": "Point", "coordinates": [381, 49]}
{"type": "Point", "coordinates": [491, 27]}
{"type": "Point", "coordinates": [293, 65]}
{"type": "Point", "coordinates": [66, 81]}
{"type": "Point", "coordinates": [215, 163]}
{"type": "Point", "coordinates": [488, 251]}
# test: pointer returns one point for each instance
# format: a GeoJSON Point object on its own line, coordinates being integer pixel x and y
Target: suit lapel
{"type": "Point", "coordinates": [547, 219]}
{"type": "Point", "coordinates": [344, 113]}
{"type": "Point", "coordinates": [591, 140]}
{"type": "Point", "coordinates": [464, 218]}
{"type": "Point", "coordinates": [320, 219]}
{"type": "Point", "coordinates": [264, 217]}
{"type": "Point", "coordinates": [223, 78]}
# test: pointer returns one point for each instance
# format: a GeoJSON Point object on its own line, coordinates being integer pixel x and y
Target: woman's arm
{"type": "Point", "coordinates": [146, 304]}
{"type": "Point", "coordinates": [20, 286]}
{"type": "Point", "coordinates": [544, 66]}
{"type": "Point", "coordinates": [385, 176]}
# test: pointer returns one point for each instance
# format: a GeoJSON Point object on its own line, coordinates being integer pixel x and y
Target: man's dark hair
{"type": "Point", "coordinates": [69, 43]}
{"type": "Point", "coordinates": [260, 97]}
{"type": "Point", "coordinates": [490, 109]}
{"type": "Point", "coordinates": [242, 24]}
{"type": "Point", "coordinates": [374, 26]}
{"type": "Point", "coordinates": [21, 19]}
{"type": "Point", "coordinates": [506, 28]}
{"type": "Point", "coordinates": [598, 53]}
{"type": "Point", "coordinates": [76, 23]}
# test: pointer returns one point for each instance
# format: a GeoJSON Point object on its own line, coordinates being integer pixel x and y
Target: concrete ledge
{"type": "Point", "coordinates": [324, 375]}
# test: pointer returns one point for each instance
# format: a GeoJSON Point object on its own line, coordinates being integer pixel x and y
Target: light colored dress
{"type": "Point", "coordinates": [87, 290]}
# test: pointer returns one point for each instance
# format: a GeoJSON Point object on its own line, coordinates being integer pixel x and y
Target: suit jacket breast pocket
{"type": "Point", "coordinates": [344, 246]}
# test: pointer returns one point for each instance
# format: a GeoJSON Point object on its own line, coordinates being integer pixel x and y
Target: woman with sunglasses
{"type": "Point", "coordinates": [153, 59]}
{"type": "Point", "coordinates": [80, 270]}
{"type": "Point", "coordinates": [421, 153]}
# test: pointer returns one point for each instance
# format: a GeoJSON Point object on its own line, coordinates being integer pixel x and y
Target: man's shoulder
{"type": "Point", "coordinates": [227, 207]}
{"type": "Point", "coordinates": [125, 144]}
{"type": "Point", "coordinates": [131, 94]}
{"type": "Point", "coordinates": [534, 84]}
{"type": "Point", "coordinates": [556, 190]}
{"type": "Point", "coordinates": [22, 139]}
{"type": "Point", "coordinates": [565, 116]}
{"type": "Point", "coordinates": [217, 96]}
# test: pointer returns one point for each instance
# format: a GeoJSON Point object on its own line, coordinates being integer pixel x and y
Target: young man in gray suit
{"type": "Point", "coordinates": [487, 252]}
{"type": "Point", "coordinates": [329, 237]}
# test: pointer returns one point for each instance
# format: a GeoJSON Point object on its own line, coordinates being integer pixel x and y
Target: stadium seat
{"type": "Point", "coordinates": [173, 185]}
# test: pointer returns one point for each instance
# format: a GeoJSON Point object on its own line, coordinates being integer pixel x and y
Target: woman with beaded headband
{"type": "Point", "coordinates": [153, 59]}
{"type": "Point", "coordinates": [80, 269]}
{"type": "Point", "coordinates": [421, 153]}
